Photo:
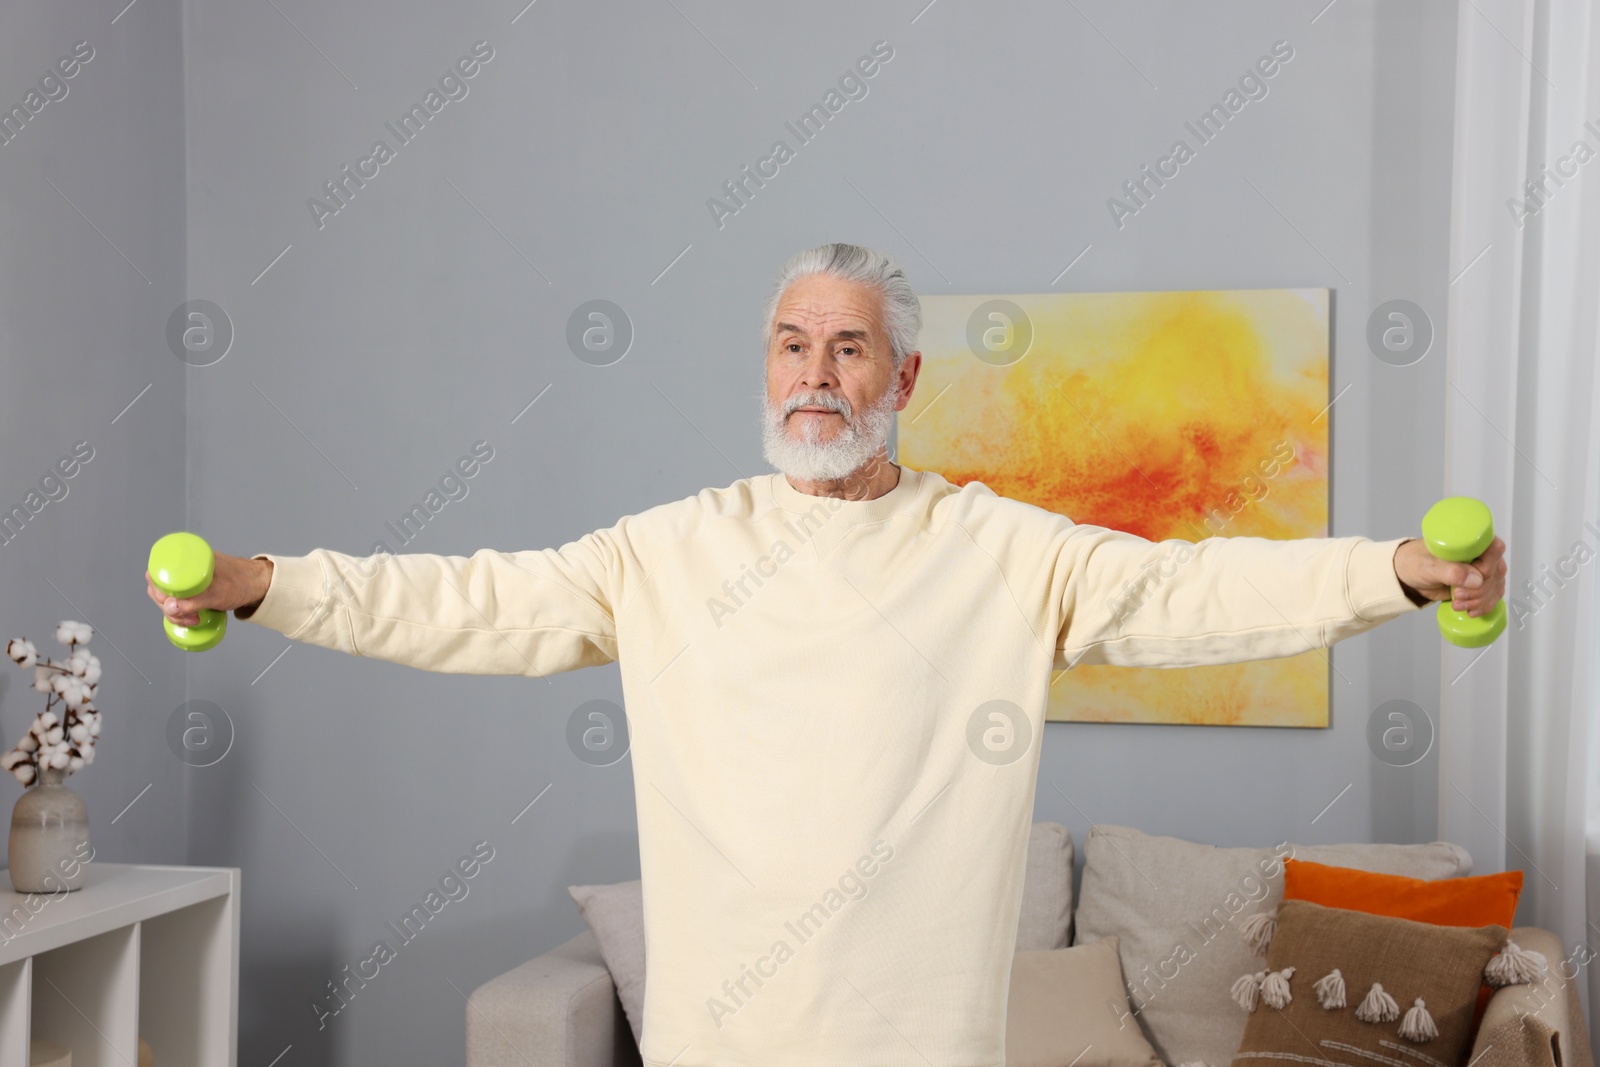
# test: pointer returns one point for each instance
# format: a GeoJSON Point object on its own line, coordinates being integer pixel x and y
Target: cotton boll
{"type": "Point", "coordinates": [91, 673]}
{"type": "Point", "coordinates": [54, 736]}
{"type": "Point", "coordinates": [9, 760]}
{"type": "Point", "coordinates": [48, 719]}
{"type": "Point", "coordinates": [24, 774]}
{"type": "Point", "coordinates": [71, 632]}
{"type": "Point", "coordinates": [41, 679]}
{"type": "Point", "coordinates": [88, 754]}
{"type": "Point", "coordinates": [74, 763]}
{"type": "Point", "coordinates": [59, 760]}
{"type": "Point", "coordinates": [79, 733]}
{"type": "Point", "coordinates": [22, 650]}
{"type": "Point", "coordinates": [80, 631]}
{"type": "Point", "coordinates": [94, 727]}
{"type": "Point", "coordinates": [29, 743]}
{"type": "Point", "coordinates": [78, 662]}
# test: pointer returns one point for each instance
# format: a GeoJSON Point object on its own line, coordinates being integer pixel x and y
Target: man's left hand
{"type": "Point", "coordinates": [1477, 586]}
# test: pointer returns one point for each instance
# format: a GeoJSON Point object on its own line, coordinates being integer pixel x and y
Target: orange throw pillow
{"type": "Point", "coordinates": [1481, 900]}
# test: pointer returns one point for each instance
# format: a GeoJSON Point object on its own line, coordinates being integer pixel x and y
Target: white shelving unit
{"type": "Point", "coordinates": [137, 951]}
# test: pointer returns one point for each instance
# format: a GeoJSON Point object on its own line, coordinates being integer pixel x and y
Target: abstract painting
{"type": "Point", "coordinates": [1165, 414]}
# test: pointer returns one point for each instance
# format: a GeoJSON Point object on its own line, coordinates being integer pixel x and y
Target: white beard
{"type": "Point", "coordinates": [811, 459]}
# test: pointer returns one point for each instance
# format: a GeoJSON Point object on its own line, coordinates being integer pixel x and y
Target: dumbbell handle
{"type": "Point", "coordinates": [182, 565]}
{"type": "Point", "coordinates": [1460, 529]}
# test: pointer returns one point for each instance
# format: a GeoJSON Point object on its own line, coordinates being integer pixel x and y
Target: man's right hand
{"type": "Point", "coordinates": [236, 583]}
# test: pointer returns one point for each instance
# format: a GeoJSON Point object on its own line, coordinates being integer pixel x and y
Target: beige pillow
{"type": "Point", "coordinates": [1429, 976]}
{"type": "Point", "coordinates": [1177, 908]}
{"type": "Point", "coordinates": [1069, 1007]}
{"type": "Point", "coordinates": [1046, 889]}
{"type": "Point", "coordinates": [616, 915]}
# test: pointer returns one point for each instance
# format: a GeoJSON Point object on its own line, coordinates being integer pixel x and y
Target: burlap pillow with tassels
{"type": "Point", "coordinates": [1351, 988]}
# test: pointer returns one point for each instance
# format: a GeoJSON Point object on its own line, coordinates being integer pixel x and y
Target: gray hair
{"type": "Point", "coordinates": [902, 311]}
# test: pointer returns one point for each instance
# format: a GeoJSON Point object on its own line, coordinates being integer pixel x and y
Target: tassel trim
{"type": "Point", "coordinates": [1418, 1024]}
{"type": "Point", "coordinates": [1515, 965]}
{"type": "Point", "coordinates": [1330, 990]}
{"type": "Point", "coordinates": [1258, 929]}
{"type": "Point", "coordinates": [1247, 990]}
{"type": "Point", "coordinates": [1378, 1007]}
{"type": "Point", "coordinates": [1275, 988]}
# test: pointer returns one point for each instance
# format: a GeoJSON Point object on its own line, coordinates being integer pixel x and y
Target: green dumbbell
{"type": "Point", "coordinates": [181, 565]}
{"type": "Point", "coordinates": [1460, 529]}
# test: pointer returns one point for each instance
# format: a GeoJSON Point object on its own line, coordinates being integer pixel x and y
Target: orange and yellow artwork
{"type": "Point", "coordinates": [1169, 415]}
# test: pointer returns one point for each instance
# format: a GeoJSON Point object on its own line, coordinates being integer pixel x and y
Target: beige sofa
{"type": "Point", "coordinates": [561, 1009]}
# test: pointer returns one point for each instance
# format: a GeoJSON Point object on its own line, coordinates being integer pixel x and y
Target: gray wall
{"type": "Point", "coordinates": [428, 312]}
{"type": "Point", "coordinates": [82, 321]}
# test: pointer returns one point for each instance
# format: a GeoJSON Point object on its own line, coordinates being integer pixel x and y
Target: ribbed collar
{"type": "Point", "coordinates": [848, 512]}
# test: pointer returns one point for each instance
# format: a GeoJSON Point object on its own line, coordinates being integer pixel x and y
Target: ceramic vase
{"type": "Point", "coordinates": [49, 843]}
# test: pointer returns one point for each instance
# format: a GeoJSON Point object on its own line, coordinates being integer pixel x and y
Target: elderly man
{"type": "Point", "coordinates": [836, 680]}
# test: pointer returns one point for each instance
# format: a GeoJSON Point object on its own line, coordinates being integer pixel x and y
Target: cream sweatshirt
{"type": "Point", "coordinates": [835, 711]}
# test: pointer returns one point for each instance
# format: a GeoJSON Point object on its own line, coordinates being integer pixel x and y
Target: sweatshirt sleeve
{"type": "Point", "coordinates": [1136, 603]}
{"type": "Point", "coordinates": [529, 613]}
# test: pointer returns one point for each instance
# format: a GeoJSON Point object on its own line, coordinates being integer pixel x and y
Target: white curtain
{"type": "Point", "coordinates": [1517, 778]}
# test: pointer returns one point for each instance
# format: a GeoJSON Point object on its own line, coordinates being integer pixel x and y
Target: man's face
{"type": "Point", "coordinates": [828, 344]}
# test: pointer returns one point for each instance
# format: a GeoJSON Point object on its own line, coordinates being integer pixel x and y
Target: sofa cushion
{"type": "Point", "coordinates": [616, 915]}
{"type": "Point", "coordinates": [1473, 901]}
{"type": "Point", "coordinates": [1046, 889]}
{"type": "Point", "coordinates": [1423, 977]}
{"type": "Point", "coordinates": [1068, 1006]}
{"type": "Point", "coordinates": [1177, 908]}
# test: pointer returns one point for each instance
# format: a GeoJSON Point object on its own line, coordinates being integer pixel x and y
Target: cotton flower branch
{"type": "Point", "coordinates": [63, 741]}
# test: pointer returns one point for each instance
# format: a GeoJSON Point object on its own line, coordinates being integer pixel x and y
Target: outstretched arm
{"type": "Point", "coordinates": [529, 613]}
{"type": "Point", "coordinates": [1138, 603]}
